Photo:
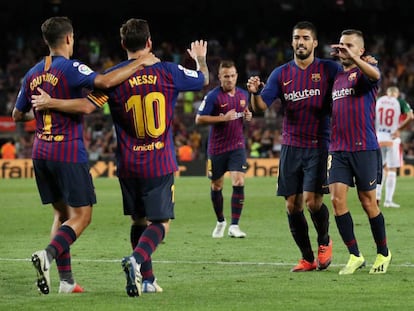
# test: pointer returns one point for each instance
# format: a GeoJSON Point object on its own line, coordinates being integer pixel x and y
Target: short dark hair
{"type": "Point", "coordinates": [226, 64]}
{"type": "Point", "coordinates": [357, 32]}
{"type": "Point", "coordinates": [134, 34]}
{"type": "Point", "coordinates": [308, 26]}
{"type": "Point", "coordinates": [54, 29]}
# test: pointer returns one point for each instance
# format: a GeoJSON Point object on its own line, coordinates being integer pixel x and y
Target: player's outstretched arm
{"type": "Point", "coordinates": [43, 101]}
{"type": "Point", "coordinates": [115, 77]}
{"type": "Point", "coordinates": [198, 52]}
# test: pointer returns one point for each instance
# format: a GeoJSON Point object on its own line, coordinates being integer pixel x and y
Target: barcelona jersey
{"type": "Point", "coordinates": [225, 136]}
{"type": "Point", "coordinates": [353, 112]}
{"type": "Point", "coordinates": [142, 109]}
{"type": "Point", "coordinates": [305, 96]}
{"type": "Point", "coordinates": [58, 135]}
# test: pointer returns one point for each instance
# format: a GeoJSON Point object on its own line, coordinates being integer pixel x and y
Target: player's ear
{"type": "Point", "coordinates": [123, 44]}
{"type": "Point", "coordinates": [69, 38]}
{"type": "Point", "coordinates": [149, 43]}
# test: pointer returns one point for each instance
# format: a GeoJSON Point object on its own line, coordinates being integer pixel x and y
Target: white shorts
{"type": "Point", "coordinates": [391, 155]}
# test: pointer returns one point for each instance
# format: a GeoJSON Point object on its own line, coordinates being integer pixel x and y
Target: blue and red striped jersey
{"type": "Point", "coordinates": [353, 112]}
{"type": "Point", "coordinates": [58, 135]}
{"type": "Point", "coordinates": [142, 109]}
{"type": "Point", "coordinates": [305, 95]}
{"type": "Point", "coordinates": [225, 136]}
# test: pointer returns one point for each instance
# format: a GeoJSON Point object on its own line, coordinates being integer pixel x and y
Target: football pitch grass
{"type": "Point", "coordinates": [196, 271]}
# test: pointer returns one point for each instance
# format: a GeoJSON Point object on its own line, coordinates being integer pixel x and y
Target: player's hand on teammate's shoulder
{"type": "Point", "coordinates": [370, 59]}
{"type": "Point", "coordinates": [149, 59]}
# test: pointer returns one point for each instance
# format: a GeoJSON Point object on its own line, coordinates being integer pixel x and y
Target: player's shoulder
{"type": "Point", "coordinates": [177, 68]}
{"type": "Point", "coordinates": [242, 91]}
{"type": "Point", "coordinates": [214, 92]}
{"type": "Point", "coordinates": [118, 65]}
{"type": "Point", "coordinates": [278, 71]}
{"type": "Point", "coordinates": [328, 62]}
{"type": "Point", "coordinates": [73, 65]}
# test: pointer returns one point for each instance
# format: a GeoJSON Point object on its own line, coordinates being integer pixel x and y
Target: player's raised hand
{"type": "Point", "coordinates": [254, 84]}
{"type": "Point", "coordinates": [198, 52]}
{"type": "Point", "coordinates": [342, 51]}
{"type": "Point", "coordinates": [197, 48]}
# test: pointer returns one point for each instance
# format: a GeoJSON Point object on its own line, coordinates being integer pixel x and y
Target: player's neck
{"type": "Point", "coordinates": [137, 54]}
{"type": "Point", "coordinates": [349, 67]}
{"type": "Point", "coordinates": [304, 63]}
{"type": "Point", "coordinates": [59, 52]}
{"type": "Point", "coordinates": [230, 91]}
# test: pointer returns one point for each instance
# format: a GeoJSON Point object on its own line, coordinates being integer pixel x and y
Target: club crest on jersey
{"type": "Point", "coordinates": [316, 77]}
{"type": "Point", "coordinates": [352, 76]}
{"type": "Point", "coordinates": [243, 103]}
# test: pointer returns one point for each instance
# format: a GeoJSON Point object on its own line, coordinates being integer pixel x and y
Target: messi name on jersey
{"type": "Point", "coordinates": [142, 79]}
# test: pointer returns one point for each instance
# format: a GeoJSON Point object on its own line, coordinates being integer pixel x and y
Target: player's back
{"type": "Point", "coordinates": [142, 108]}
{"type": "Point", "coordinates": [58, 135]}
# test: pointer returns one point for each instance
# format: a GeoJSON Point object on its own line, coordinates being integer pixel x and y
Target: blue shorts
{"type": "Point", "coordinates": [152, 198]}
{"type": "Point", "coordinates": [70, 182]}
{"type": "Point", "coordinates": [231, 161]}
{"type": "Point", "coordinates": [360, 168]}
{"type": "Point", "coordinates": [302, 169]}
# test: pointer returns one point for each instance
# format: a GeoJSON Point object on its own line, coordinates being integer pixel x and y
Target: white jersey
{"type": "Point", "coordinates": [387, 117]}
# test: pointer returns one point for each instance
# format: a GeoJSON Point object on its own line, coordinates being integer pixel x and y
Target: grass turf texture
{"type": "Point", "coordinates": [196, 271]}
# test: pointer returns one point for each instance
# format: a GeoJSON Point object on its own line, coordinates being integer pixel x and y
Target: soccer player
{"type": "Point", "coordinates": [303, 86]}
{"type": "Point", "coordinates": [142, 109]}
{"type": "Point", "coordinates": [354, 153]}
{"type": "Point", "coordinates": [389, 111]}
{"type": "Point", "coordinates": [225, 108]}
{"type": "Point", "coordinates": [59, 156]}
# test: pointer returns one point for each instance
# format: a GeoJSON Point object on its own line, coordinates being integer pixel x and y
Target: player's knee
{"type": "Point", "coordinates": [165, 223]}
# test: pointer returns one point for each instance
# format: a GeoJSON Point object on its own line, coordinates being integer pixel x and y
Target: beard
{"type": "Point", "coordinates": [302, 54]}
{"type": "Point", "coordinates": [346, 62]}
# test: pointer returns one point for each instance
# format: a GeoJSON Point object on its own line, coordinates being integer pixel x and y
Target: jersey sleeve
{"type": "Point", "coordinates": [271, 89]}
{"type": "Point", "coordinates": [23, 102]}
{"type": "Point", "coordinates": [207, 104]}
{"type": "Point", "coordinates": [186, 79]}
{"type": "Point", "coordinates": [405, 106]}
{"type": "Point", "coordinates": [81, 74]}
{"type": "Point", "coordinates": [98, 98]}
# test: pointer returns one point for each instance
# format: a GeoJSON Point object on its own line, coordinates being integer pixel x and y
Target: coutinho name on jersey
{"type": "Point", "coordinates": [46, 77]}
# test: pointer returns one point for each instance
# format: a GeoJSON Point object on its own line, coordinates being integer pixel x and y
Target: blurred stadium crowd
{"type": "Point", "coordinates": [253, 54]}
